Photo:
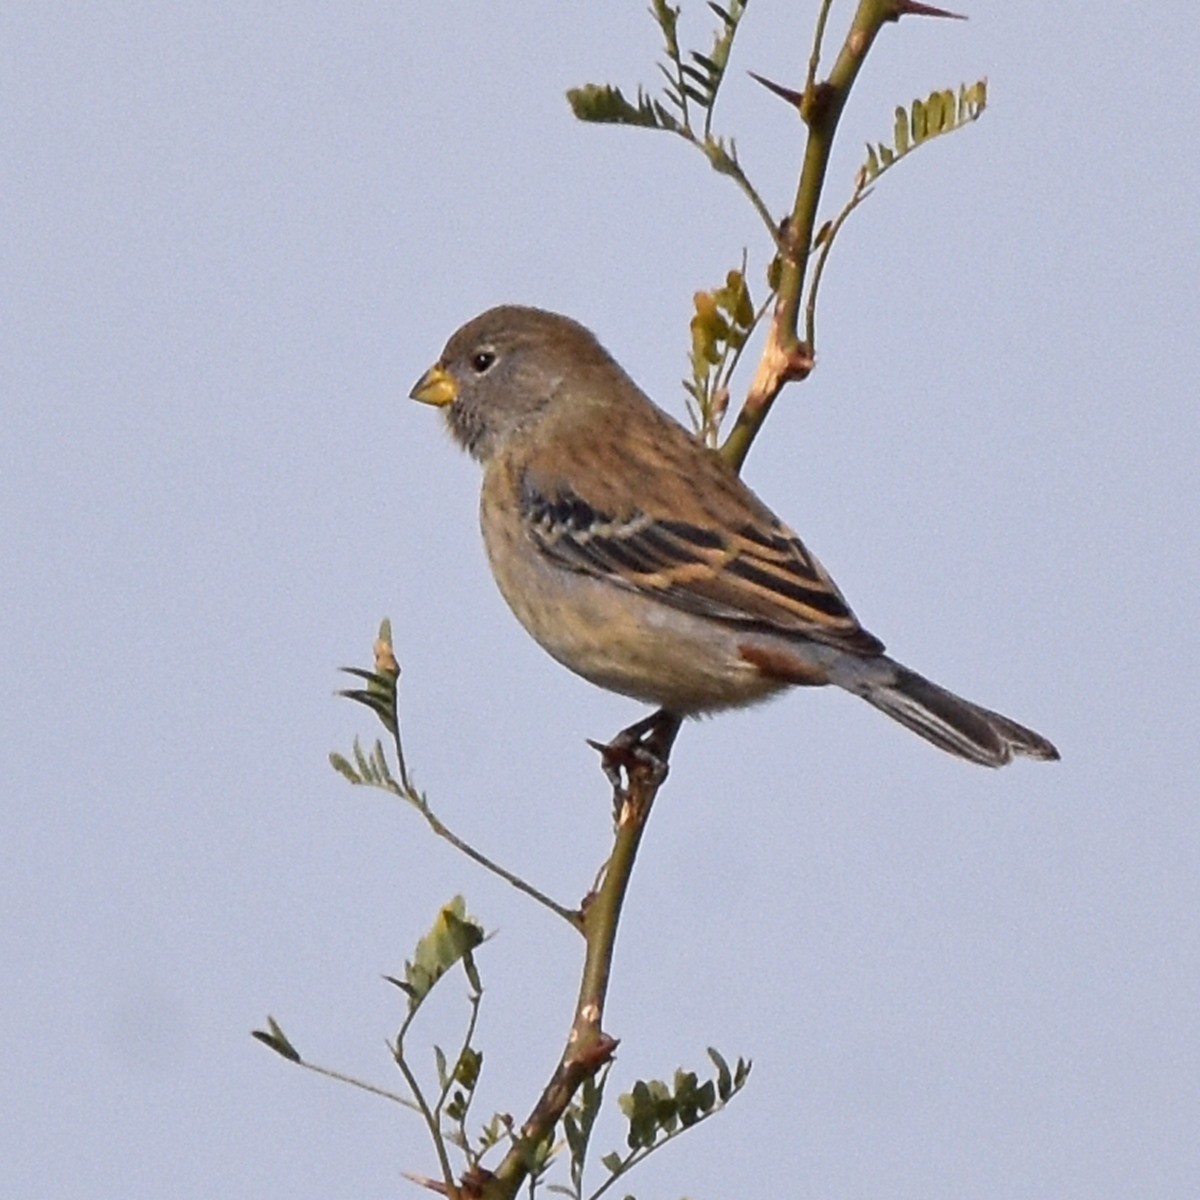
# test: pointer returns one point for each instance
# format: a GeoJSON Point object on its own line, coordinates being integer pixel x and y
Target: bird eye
{"type": "Point", "coordinates": [482, 360]}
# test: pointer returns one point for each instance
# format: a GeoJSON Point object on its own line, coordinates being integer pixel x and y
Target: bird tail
{"type": "Point", "coordinates": [949, 722]}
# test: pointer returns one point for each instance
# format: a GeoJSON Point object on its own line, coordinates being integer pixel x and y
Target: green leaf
{"type": "Point", "coordinates": [494, 1131]}
{"type": "Point", "coordinates": [543, 1154]}
{"type": "Point", "coordinates": [380, 693]}
{"type": "Point", "coordinates": [472, 972]}
{"type": "Point", "coordinates": [918, 121]}
{"type": "Point", "coordinates": [580, 1119]}
{"type": "Point", "coordinates": [724, 1079]}
{"type": "Point", "coordinates": [717, 59]}
{"type": "Point", "coordinates": [456, 1107]}
{"type": "Point", "coordinates": [382, 770]}
{"type": "Point", "coordinates": [668, 21]}
{"type": "Point", "coordinates": [573, 1134]}
{"type": "Point", "coordinates": [612, 1162]}
{"type": "Point", "coordinates": [741, 1073]}
{"type": "Point", "coordinates": [451, 939]}
{"type": "Point", "coordinates": [665, 120]}
{"type": "Point", "coordinates": [607, 105]}
{"type": "Point", "coordinates": [342, 767]}
{"type": "Point", "coordinates": [641, 1110]}
{"type": "Point", "coordinates": [686, 1097]}
{"type": "Point", "coordinates": [972, 100]}
{"type": "Point", "coordinates": [737, 301]}
{"type": "Point", "coordinates": [722, 322]}
{"type": "Point", "coordinates": [274, 1037]}
{"type": "Point", "coordinates": [466, 1070]}
{"type": "Point", "coordinates": [364, 766]}
{"type": "Point", "coordinates": [935, 112]}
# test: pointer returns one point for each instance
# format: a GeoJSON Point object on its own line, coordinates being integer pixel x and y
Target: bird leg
{"type": "Point", "coordinates": [642, 750]}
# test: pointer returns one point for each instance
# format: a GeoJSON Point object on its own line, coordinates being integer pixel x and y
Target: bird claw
{"type": "Point", "coordinates": [640, 752]}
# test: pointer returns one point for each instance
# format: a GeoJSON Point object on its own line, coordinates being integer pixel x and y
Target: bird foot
{"type": "Point", "coordinates": [640, 752]}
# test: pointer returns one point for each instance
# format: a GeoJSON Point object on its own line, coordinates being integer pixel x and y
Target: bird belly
{"type": "Point", "coordinates": [626, 641]}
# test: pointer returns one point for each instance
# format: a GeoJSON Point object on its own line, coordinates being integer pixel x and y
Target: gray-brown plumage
{"type": "Point", "coordinates": [641, 561]}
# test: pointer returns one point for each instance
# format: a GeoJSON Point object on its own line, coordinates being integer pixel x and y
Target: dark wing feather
{"type": "Point", "coordinates": [757, 574]}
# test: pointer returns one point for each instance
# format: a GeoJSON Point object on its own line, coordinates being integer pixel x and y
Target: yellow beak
{"type": "Point", "coordinates": [436, 387]}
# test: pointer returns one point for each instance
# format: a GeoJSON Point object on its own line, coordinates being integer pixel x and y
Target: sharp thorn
{"type": "Point", "coordinates": [784, 93]}
{"type": "Point", "coordinates": [913, 8]}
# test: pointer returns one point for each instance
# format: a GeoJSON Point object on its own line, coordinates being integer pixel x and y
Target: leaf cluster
{"type": "Point", "coordinates": [692, 83]}
{"type": "Point", "coordinates": [942, 112]}
{"type": "Point", "coordinates": [693, 79]}
{"type": "Point", "coordinates": [655, 1112]}
{"type": "Point", "coordinates": [451, 940]}
{"type": "Point", "coordinates": [697, 79]}
{"type": "Point", "coordinates": [723, 320]}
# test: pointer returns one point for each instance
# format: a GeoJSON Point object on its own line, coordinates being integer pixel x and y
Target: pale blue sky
{"type": "Point", "coordinates": [231, 237]}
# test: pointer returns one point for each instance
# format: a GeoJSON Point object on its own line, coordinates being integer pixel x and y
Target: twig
{"type": "Point", "coordinates": [588, 1047]}
{"type": "Point", "coordinates": [570, 915]}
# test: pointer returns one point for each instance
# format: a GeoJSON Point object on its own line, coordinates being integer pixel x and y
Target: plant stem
{"type": "Point", "coordinates": [786, 357]}
{"type": "Point", "coordinates": [568, 914]}
{"type": "Point", "coordinates": [588, 1047]}
{"type": "Point", "coordinates": [431, 1121]}
{"type": "Point", "coordinates": [418, 801]}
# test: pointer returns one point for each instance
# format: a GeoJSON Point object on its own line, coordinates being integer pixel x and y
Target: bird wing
{"type": "Point", "coordinates": [701, 542]}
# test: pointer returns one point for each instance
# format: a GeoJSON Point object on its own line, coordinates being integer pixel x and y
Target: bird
{"type": "Point", "coordinates": [639, 559]}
